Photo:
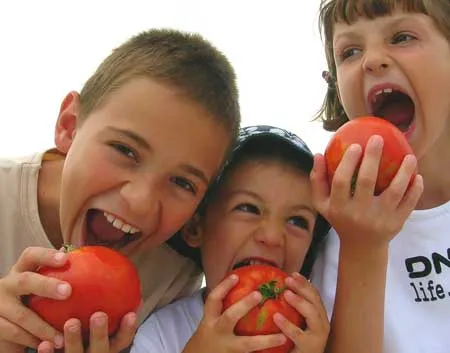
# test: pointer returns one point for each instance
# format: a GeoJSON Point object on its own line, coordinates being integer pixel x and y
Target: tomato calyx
{"type": "Point", "coordinates": [66, 248]}
{"type": "Point", "coordinates": [270, 290]}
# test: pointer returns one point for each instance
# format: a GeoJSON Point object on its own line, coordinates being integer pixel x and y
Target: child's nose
{"type": "Point", "coordinates": [143, 196]}
{"type": "Point", "coordinates": [270, 233]}
{"type": "Point", "coordinates": [376, 60]}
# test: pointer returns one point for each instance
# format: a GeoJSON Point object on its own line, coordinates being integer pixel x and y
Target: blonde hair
{"type": "Point", "coordinates": [184, 61]}
{"type": "Point", "coordinates": [332, 113]}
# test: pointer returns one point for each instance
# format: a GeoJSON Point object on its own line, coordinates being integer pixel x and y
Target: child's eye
{"type": "Point", "coordinates": [185, 184]}
{"type": "Point", "coordinates": [248, 208]}
{"type": "Point", "coordinates": [300, 222]}
{"type": "Point", "coordinates": [402, 37]}
{"type": "Point", "coordinates": [125, 150]}
{"type": "Point", "coordinates": [348, 53]}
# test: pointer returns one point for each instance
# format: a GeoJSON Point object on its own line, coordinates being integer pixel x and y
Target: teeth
{"type": "Point", "coordinates": [119, 224]}
{"type": "Point", "coordinates": [379, 92]}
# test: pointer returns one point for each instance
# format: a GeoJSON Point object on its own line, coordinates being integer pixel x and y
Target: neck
{"type": "Point", "coordinates": [49, 183]}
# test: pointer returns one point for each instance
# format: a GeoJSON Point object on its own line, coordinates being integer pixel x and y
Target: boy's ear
{"type": "Point", "coordinates": [67, 122]}
{"type": "Point", "coordinates": [192, 232]}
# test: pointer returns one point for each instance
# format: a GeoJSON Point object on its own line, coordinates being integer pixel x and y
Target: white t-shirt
{"type": "Point", "coordinates": [168, 329]}
{"type": "Point", "coordinates": [165, 275]}
{"type": "Point", "coordinates": [417, 311]}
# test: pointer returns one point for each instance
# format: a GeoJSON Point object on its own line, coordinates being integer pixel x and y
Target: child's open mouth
{"type": "Point", "coordinates": [393, 105]}
{"type": "Point", "coordinates": [254, 261]}
{"type": "Point", "coordinates": [103, 228]}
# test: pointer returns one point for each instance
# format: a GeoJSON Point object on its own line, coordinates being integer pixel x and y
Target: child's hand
{"type": "Point", "coordinates": [99, 342]}
{"type": "Point", "coordinates": [19, 324]}
{"type": "Point", "coordinates": [361, 219]}
{"type": "Point", "coordinates": [216, 331]}
{"type": "Point", "coordinates": [306, 300]}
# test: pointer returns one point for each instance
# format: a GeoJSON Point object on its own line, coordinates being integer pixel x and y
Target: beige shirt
{"type": "Point", "coordinates": [165, 275]}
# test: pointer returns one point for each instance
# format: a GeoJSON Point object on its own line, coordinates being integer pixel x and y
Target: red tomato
{"type": "Point", "coordinates": [259, 321]}
{"type": "Point", "coordinates": [358, 131]}
{"type": "Point", "coordinates": [102, 279]}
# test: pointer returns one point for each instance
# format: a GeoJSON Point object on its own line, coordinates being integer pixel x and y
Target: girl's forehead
{"type": "Point", "coordinates": [352, 10]}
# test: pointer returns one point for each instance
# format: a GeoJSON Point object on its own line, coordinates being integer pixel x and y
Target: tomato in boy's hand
{"type": "Point", "coordinates": [102, 279]}
{"type": "Point", "coordinates": [269, 281]}
{"type": "Point", "coordinates": [358, 131]}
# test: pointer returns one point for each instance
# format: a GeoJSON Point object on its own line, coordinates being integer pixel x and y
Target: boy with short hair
{"type": "Point", "coordinates": [135, 152]}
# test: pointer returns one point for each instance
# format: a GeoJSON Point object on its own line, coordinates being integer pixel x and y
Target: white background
{"type": "Point", "coordinates": [51, 47]}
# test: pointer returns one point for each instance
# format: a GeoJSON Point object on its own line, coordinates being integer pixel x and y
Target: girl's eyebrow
{"type": "Point", "coordinates": [390, 22]}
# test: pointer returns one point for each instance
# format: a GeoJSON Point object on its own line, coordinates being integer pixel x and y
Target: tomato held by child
{"type": "Point", "coordinates": [269, 281]}
{"type": "Point", "coordinates": [102, 280]}
{"type": "Point", "coordinates": [358, 131]}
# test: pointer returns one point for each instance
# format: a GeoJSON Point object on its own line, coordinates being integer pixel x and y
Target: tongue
{"type": "Point", "coordinates": [399, 113]}
{"type": "Point", "coordinates": [103, 230]}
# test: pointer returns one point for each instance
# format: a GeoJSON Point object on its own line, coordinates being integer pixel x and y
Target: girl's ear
{"type": "Point", "coordinates": [192, 232]}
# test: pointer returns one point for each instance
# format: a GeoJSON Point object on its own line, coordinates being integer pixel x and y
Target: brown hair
{"type": "Point", "coordinates": [331, 11]}
{"type": "Point", "coordinates": [185, 61]}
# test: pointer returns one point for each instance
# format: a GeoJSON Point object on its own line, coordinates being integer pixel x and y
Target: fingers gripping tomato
{"type": "Point", "coordinates": [358, 131]}
{"type": "Point", "coordinates": [102, 279]}
{"type": "Point", "coordinates": [259, 321]}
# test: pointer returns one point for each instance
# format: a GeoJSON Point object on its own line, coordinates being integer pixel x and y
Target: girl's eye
{"type": "Point", "coordinates": [300, 222]}
{"type": "Point", "coordinates": [185, 184]}
{"type": "Point", "coordinates": [248, 208]}
{"type": "Point", "coordinates": [125, 150]}
{"type": "Point", "coordinates": [348, 53]}
{"type": "Point", "coordinates": [402, 37]}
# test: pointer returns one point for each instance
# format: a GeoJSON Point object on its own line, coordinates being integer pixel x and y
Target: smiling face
{"type": "Point", "coordinates": [138, 165]}
{"type": "Point", "coordinates": [397, 67]}
{"type": "Point", "coordinates": [263, 213]}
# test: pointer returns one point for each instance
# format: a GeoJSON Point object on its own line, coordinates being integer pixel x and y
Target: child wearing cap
{"type": "Point", "coordinates": [259, 209]}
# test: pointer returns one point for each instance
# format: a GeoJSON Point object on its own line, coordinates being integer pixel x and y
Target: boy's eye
{"type": "Point", "coordinates": [402, 37]}
{"type": "Point", "coordinates": [185, 184]}
{"type": "Point", "coordinates": [248, 208]}
{"type": "Point", "coordinates": [125, 150]}
{"type": "Point", "coordinates": [300, 222]}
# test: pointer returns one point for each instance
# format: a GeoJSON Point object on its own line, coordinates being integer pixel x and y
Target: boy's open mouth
{"type": "Point", "coordinates": [254, 261]}
{"type": "Point", "coordinates": [103, 228]}
{"type": "Point", "coordinates": [393, 105]}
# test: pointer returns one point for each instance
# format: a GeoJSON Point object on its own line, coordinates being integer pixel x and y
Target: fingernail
{"type": "Point", "coordinates": [58, 341]}
{"type": "Point", "coordinates": [277, 317]}
{"type": "Point", "coordinates": [100, 320]}
{"type": "Point", "coordinates": [299, 277]}
{"type": "Point", "coordinates": [131, 320]}
{"type": "Point", "coordinates": [256, 295]}
{"type": "Point", "coordinates": [289, 294]}
{"type": "Point", "coordinates": [73, 328]}
{"type": "Point", "coordinates": [377, 139]}
{"type": "Point", "coordinates": [63, 289]}
{"type": "Point", "coordinates": [234, 277]}
{"type": "Point", "coordinates": [59, 256]}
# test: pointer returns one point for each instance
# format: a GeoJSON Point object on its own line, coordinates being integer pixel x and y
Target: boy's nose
{"type": "Point", "coordinates": [270, 234]}
{"type": "Point", "coordinates": [142, 196]}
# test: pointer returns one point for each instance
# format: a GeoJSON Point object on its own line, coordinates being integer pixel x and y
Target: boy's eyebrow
{"type": "Point", "coordinates": [143, 143]}
{"type": "Point", "coordinates": [135, 137]}
{"type": "Point", "coordinates": [303, 207]}
{"type": "Point", "coordinates": [246, 192]}
{"type": "Point", "coordinates": [195, 171]}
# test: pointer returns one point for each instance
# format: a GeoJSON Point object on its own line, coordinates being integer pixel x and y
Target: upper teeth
{"type": "Point", "coordinates": [377, 93]}
{"type": "Point", "coordinates": [260, 262]}
{"type": "Point", "coordinates": [119, 224]}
